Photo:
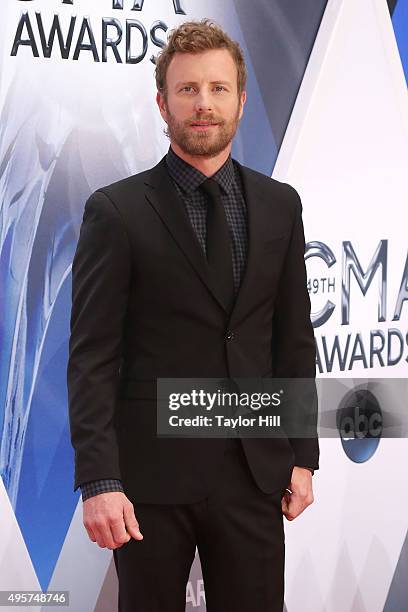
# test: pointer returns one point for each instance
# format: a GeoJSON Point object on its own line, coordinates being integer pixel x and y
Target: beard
{"type": "Point", "coordinates": [206, 143]}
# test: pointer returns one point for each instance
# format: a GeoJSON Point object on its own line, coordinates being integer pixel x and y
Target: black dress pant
{"type": "Point", "coordinates": [238, 531]}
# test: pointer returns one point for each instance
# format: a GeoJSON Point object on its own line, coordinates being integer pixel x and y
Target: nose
{"type": "Point", "coordinates": [203, 102]}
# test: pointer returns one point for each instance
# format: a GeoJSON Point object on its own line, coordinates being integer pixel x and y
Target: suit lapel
{"type": "Point", "coordinates": [162, 195]}
{"type": "Point", "coordinates": [258, 228]}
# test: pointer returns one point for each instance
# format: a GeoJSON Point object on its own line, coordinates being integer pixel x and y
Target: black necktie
{"type": "Point", "coordinates": [218, 243]}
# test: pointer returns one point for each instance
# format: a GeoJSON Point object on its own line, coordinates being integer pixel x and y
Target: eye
{"type": "Point", "coordinates": [220, 88]}
{"type": "Point", "coordinates": [187, 88]}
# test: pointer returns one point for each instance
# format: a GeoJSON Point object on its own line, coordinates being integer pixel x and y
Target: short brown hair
{"type": "Point", "coordinates": [196, 37]}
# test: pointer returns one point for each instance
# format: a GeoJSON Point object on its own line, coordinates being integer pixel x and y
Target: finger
{"type": "Point", "coordinates": [119, 534]}
{"type": "Point", "coordinates": [296, 506]}
{"type": "Point", "coordinates": [131, 523]}
{"type": "Point", "coordinates": [285, 503]}
{"type": "Point", "coordinates": [98, 536]}
{"type": "Point", "coordinates": [91, 534]}
{"type": "Point", "coordinates": [108, 536]}
{"type": "Point", "coordinates": [285, 493]}
{"type": "Point", "coordinates": [103, 534]}
{"type": "Point", "coordinates": [291, 506]}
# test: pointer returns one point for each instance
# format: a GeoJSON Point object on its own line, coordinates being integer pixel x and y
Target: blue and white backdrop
{"type": "Point", "coordinates": [327, 112]}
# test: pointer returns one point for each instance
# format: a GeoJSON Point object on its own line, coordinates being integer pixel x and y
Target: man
{"type": "Point", "coordinates": [178, 276]}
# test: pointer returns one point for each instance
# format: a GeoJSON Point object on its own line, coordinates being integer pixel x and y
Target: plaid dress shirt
{"type": "Point", "coordinates": [187, 181]}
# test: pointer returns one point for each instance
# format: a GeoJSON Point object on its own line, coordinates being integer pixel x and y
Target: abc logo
{"type": "Point", "coordinates": [360, 423]}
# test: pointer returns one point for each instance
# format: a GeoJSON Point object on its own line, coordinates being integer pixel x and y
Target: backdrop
{"type": "Point", "coordinates": [327, 112]}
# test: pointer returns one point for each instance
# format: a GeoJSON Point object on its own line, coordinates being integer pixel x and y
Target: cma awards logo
{"type": "Point", "coordinates": [118, 42]}
{"type": "Point", "coordinates": [380, 347]}
{"type": "Point", "coordinates": [360, 424]}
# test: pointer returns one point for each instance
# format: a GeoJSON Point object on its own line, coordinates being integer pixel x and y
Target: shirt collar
{"type": "Point", "coordinates": [189, 178]}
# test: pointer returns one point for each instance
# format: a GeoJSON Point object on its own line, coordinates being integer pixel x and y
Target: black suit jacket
{"type": "Point", "coordinates": [144, 305]}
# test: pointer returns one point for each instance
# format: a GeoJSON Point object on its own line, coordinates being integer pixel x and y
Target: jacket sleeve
{"type": "Point", "coordinates": [293, 343]}
{"type": "Point", "coordinates": [101, 272]}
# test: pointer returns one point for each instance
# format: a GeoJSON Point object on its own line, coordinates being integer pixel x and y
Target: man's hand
{"type": "Point", "coordinates": [293, 503]}
{"type": "Point", "coordinates": [110, 520]}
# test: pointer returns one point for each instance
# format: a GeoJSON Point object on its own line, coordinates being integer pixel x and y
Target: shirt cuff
{"type": "Point", "coordinates": [105, 485]}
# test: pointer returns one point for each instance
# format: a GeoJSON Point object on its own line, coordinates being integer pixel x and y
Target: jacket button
{"type": "Point", "coordinates": [230, 334]}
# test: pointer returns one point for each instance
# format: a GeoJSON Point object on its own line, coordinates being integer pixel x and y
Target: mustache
{"type": "Point", "coordinates": [203, 119]}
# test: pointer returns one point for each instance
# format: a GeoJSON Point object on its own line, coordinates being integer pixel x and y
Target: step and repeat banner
{"type": "Point", "coordinates": [327, 112]}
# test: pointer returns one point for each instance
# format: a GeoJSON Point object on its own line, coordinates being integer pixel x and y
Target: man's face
{"type": "Point", "coordinates": [202, 109]}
